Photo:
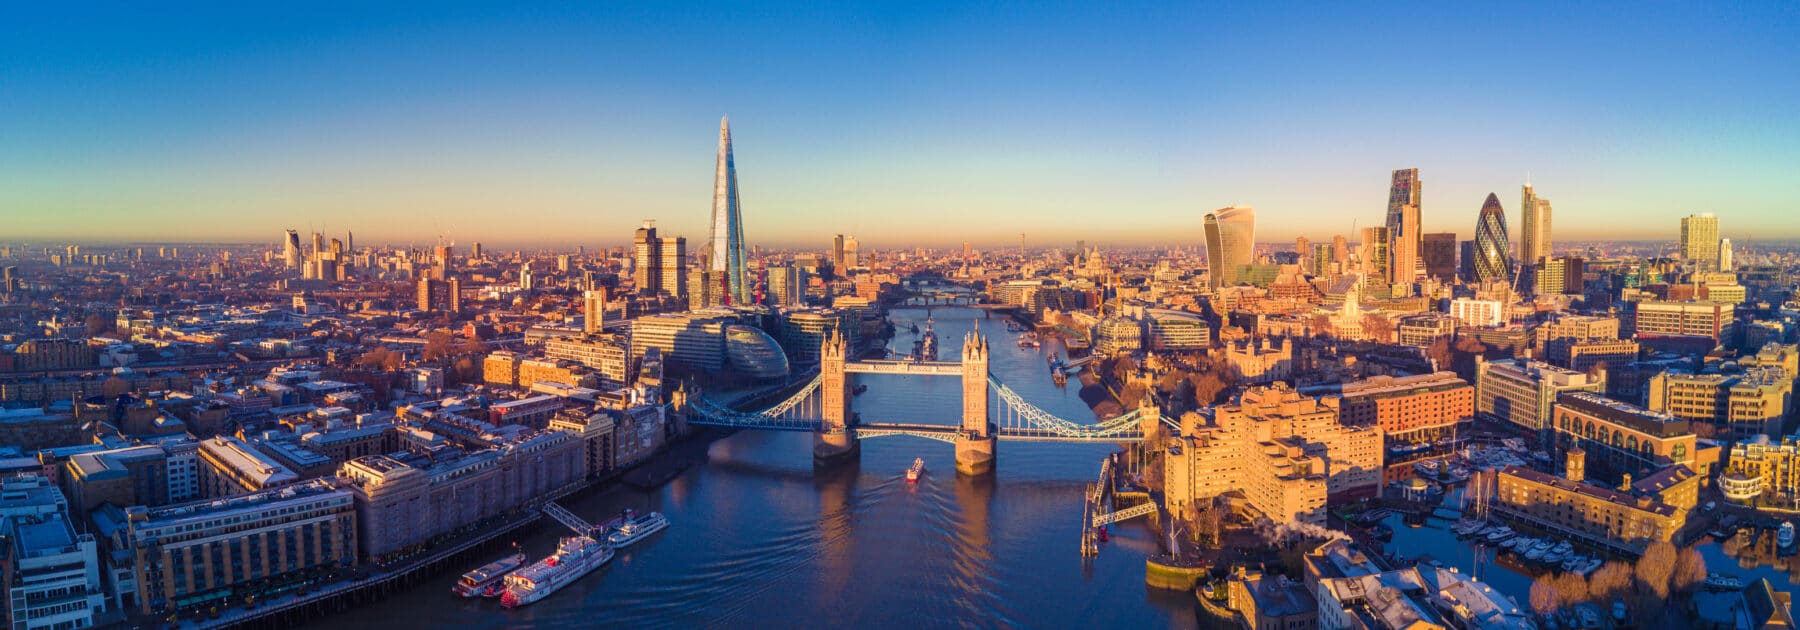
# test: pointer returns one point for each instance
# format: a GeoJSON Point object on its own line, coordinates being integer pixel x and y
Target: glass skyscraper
{"type": "Point", "coordinates": [726, 248]}
{"type": "Point", "coordinates": [1403, 227]}
{"type": "Point", "coordinates": [1230, 243]}
{"type": "Point", "coordinates": [1492, 250]}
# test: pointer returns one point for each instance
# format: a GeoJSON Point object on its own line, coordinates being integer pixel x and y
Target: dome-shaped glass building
{"type": "Point", "coordinates": [753, 353]}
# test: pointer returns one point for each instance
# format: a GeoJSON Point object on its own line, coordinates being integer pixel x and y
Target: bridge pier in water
{"type": "Point", "coordinates": [835, 442]}
{"type": "Point", "coordinates": [975, 448]}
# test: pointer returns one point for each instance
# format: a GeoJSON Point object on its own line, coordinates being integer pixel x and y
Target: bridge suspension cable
{"type": "Point", "coordinates": [1023, 419]}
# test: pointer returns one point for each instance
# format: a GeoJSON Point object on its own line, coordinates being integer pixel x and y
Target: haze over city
{"type": "Point", "coordinates": [1120, 125]}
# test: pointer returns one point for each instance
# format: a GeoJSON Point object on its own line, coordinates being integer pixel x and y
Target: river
{"type": "Point", "coordinates": [761, 539]}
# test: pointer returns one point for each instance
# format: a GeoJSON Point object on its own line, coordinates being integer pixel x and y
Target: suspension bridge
{"type": "Point", "coordinates": [822, 407]}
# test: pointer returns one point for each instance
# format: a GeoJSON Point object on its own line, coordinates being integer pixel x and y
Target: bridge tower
{"type": "Point", "coordinates": [835, 441]}
{"type": "Point", "coordinates": [975, 448]}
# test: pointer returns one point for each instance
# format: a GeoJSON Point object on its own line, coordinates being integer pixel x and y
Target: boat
{"type": "Point", "coordinates": [928, 344]}
{"type": "Point", "coordinates": [1465, 527]}
{"type": "Point", "coordinates": [636, 528]}
{"type": "Point", "coordinates": [1722, 582]}
{"type": "Point", "coordinates": [1592, 565]}
{"type": "Point", "coordinates": [1427, 468]}
{"type": "Point", "coordinates": [1554, 557]}
{"type": "Point", "coordinates": [1500, 534]}
{"type": "Point", "coordinates": [1028, 339]}
{"type": "Point", "coordinates": [486, 581]}
{"type": "Point", "coordinates": [918, 467]}
{"type": "Point", "coordinates": [1785, 536]}
{"type": "Point", "coordinates": [575, 556]}
{"type": "Point", "coordinates": [859, 390]}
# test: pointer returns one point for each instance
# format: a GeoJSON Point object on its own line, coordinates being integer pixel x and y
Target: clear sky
{"type": "Point", "coordinates": [902, 123]}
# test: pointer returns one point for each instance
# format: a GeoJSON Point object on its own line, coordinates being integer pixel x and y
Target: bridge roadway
{"type": "Point", "coordinates": [891, 366]}
{"type": "Point", "coordinates": [939, 432]}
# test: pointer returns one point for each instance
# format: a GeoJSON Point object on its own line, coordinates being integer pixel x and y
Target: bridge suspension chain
{"type": "Point", "coordinates": [1030, 417]}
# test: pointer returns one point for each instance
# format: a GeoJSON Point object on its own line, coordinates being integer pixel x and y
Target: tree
{"type": "Point", "coordinates": [1690, 571]}
{"type": "Point", "coordinates": [437, 345]}
{"type": "Point", "coordinates": [1612, 580]}
{"type": "Point", "coordinates": [1207, 387]}
{"type": "Point", "coordinates": [1572, 587]}
{"type": "Point", "coordinates": [1439, 352]}
{"type": "Point", "coordinates": [1377, 327]}
{"type": "Point", "coordinates": [1320, 325]}
{"type": "Point", "coordinates": [1544, 598]}
{"type": "Point", "coordinates": [1656, 567]}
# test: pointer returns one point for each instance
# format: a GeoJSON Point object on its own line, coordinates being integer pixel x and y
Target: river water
{"type": "Point", "coordinates": [760, 539]}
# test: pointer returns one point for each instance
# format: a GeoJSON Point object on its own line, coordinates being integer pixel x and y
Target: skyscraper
{"type": "Point", "coordinates": [290, 249]}
{"type": "Point", "coordinates": [726, 250]}
{"type": "Point", "coordinates": [1438, 251]}
{"type": "Point", "coordinates": [672, 267]}
{"type": "Point", "coordinates": [1724, 254]}
{"type": "Point", "coordinates": [1375, 253]}
{"type": "Point", "coordinates": [593, 310]}
{"type": "Point", "coordinates": [1700, 238]}
{"type": "Point", "coordinates": [1230, 242]}
{"type": "Point", "coordinates": [646, 249]}
{"type": "Point", "coordinates": [837, 255]}
{"type": "Point", "coordinates": [1492, 249]}
{"type": "Point", "coordinates": [1534, 227]}
{"type": "Point", "coordinates": [1403, 226]}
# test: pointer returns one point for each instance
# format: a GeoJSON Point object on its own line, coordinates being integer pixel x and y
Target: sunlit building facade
{"type": "Point", "coordinates": [1230, 243]}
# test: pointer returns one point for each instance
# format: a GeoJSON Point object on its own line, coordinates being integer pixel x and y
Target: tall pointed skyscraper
{"type": "Point", "coordinates": [1492, 250]}
{"type": "Point", "coordinates": [726, 250]}
{"type": "Point", "coordinates": [1403, 226]}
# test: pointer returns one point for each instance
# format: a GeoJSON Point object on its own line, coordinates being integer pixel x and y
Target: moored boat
{"type": "Point", "coordinates": [575, 557]}
{"type": "Point", "coordinates": [636, 528]}
{"type": "Point", "coordinates": [486, 580]}
{"type": "Point", "coordinates": [1785, 535]}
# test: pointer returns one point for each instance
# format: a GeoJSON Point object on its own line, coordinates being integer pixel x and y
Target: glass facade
{"type": "Point", "coordinates": [1492, 250]}
{"type": "Point", "coordinates": [1230, 243]}
{"type": "Point", "coordinates": [753, 353]}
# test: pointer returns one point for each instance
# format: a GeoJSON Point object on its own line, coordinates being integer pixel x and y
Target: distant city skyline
{"type": "Point", "coordinates": [929, 125]}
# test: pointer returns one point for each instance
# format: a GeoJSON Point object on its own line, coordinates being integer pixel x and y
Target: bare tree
{"type": "Point", "coordinates": [1612, 580]}
{"type": "Point", "coordinates": [1544, 598]}
{"type": "Point", "coordinates": [1572, 587]}
{"type": "Point", "coordinates": [1656, 567]}
{"type": "Point", "coordinates": [1690, 571]}
{"type": "Point", "coordinates": [1378, 327]}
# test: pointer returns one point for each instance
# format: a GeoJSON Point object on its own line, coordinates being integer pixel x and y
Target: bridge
{"type": "Point", "coordinates": [822, 407]}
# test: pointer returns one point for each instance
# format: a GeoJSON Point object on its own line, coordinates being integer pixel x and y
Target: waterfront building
{"type": "Point", "coordinates": [608, 355]}
{"type": "Point", "coordinates": [1693, 318]}
{"type": "Point", "coordinates": [594, 431]}
{"type": "Point", "coordinates": [1423, 329]}
{"type": "Point", "coordinates": [1472, 312]}
{"type": "Point", "coordinates": [1534, 228]}
{"type": "Point", "coordinates": [1761, 469]}
{"type": "Point", "coordinates": [229, 467]}
{"type": "Point", "coordinates": [1492, 249]}
{"type": "Point", "coordinates": [1287, 452]}
{"type": "Point", "coordinates": [753, 354]}
{"type": "Point", "coordinates": [1419, 408]}
{"type": "Point", "coordinates": [196, 554]}
{"type": "Point", "coordinates": [49, 571]}
{"type": "Point", "coordinates": [1700, 238]}
{"type": "Point", "coordinates": [1521, 392]}
{"type": "Point", "coordinates": [1438, 252]}
{"type": "Point", "coordinates": [1733, 406]}
{"type": "Point", "coordinates": [1176, 331]}
{"type": "Point", "coordinates": [402, 500]}
{"type": "Point", "coordinates": [1625, 439]}
{"type": "Point", "coordinates": [1355, 593]}
{"type": "Point", "coordinates": [1622, 519]}
{"type": "Point", "coordinates": [1272, 602]}
{"type": "Point", "coordinates": [1230, 244]}
{"type": "Point", "coordinates": [725, 249]}
{"type": "Point", "coordinates": [803, 332]}
{"type": "Point", "coordinates": [1116, 335]}
{"type": "Point", "coordinates": [694, 341]}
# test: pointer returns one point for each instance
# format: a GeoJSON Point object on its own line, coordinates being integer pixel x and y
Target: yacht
{"type": "Point", "coordinates": [1564, 547]}
{"type": "Point", "coordinates": [575, 556]}
{"type": "Point", "coordinates": [485, 581]}
{"type": "Point", "coordinates": [1785, 536]}
{"type": "Point", "coordinates": [1467, 527]}
{"type": "Point", "coordinates": [1500, 534]}
{"type": "Point", "coordinates": [636, 528]}
{"type": "Point", "coordinates": [1722, 582]}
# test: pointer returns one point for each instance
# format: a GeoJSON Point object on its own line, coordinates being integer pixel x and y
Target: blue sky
{"type": "Point", "coordinates": [903, 123]}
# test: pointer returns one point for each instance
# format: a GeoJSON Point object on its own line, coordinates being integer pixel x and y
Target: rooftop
{"type": "Point", "coordinates": [1624, 414]}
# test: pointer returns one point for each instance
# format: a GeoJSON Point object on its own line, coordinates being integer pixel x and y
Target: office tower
{"type": "Point", "coordinates": [1302, 247]}
{"type": "Point", "coordinates": [525, 280]}
{"type": "Point", "coordinates": [1403, 226]}
{"type": "Point", "coordinates": [726, 249]}
{"type": "Point", "coordinates": [593, 310]}
{"type": "Point", "coordinates": [318, 244]}
{"type": "Point", "coordinates": [562, 263]}
{"type": "Point", "coordinates": [1465, 261]}
{"type": "Point", "coordinates": [851, 252]}
{"type": "Point", "coordinates": [440, 295]}
{"type": "Point", "coordinates": [1230, 243]}
{"type": "Point", "coordinates": [1700, 238]}
{"type": "Point", "coordinates": [1725, 254]}
{"type": "Point", "coordinates": [646, 249]}
{"type": "Point", "coordinates": [1340, 250]}
{"type": "Point", "coordinates": [671, 267]}
{"type": "Point", "coordinates": [1549, 276]}
{"type": "Point", "coordinates": [475, 250]}
{"type": "Point", "coordinates": [837, 254]}
{"type": "Point", "coordinates": [1324, 260]}
{"type": "Point", "coordinates": [1492, 249]}
{"type": "Point", "coordinates": [350, 240]}
{"type": "Point", "coordinates": [1437, 251]}
{"type": "Point", "coordinates": [1534, 227]}
{"type": "Point", "coordinates": [787, 285]}
{"type": "Point", "coordinates": [290, 249]}
{"type": "Point", "coordinates": [9, 279]}
{"type": "Point", "coordinates": [1375, 252]}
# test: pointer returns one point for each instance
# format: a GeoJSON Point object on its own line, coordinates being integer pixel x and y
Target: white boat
{"type": "Point", "coordinates": [1467, 527]}
{"type": "Point", "coordinates": [1554, 557]}
{"type": "Point", "coordinates": [636, 528]}
{"type": "Point", "coordinates": [1785, 536]}
{"type": "Point", "coordinates": [1500, 534]}
{"type": "Point", "coordinates": [575, 556]}
{"type": "Point", "coordinates": [1722, 582]}
{"type": "Point", "coordinates": [918, 467]}
{"type": "Point", "coordinates": [1564, 547]}
{"type": "Point", "coordinates": [1592, 565]}
{"type": "Point", "coordinates": [485, 581]}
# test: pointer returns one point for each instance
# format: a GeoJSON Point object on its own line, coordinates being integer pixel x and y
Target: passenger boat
{"type": "Point", "coordinates": [1785, 536]}
{"type": "Point", "coordinates": [485, 581]}
{"type": "Point", "coordinates": [636, 528]}
{"type": "Point", "coordinates": [918, 467]}
{"type": "Point", "coordinates": [575, 556]}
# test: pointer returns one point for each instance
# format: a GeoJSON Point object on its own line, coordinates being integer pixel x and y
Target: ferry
{"type": "Point", "coordinates": [485, 581]}
{"type": "Point", "coordinates": [636, 528]}
{"type": "Point", "coordinates": [918, 467]}
{"type": "Point", "coordinates": [575, 556]}
{"type": "Point", "coordinates": [1785, 536]}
